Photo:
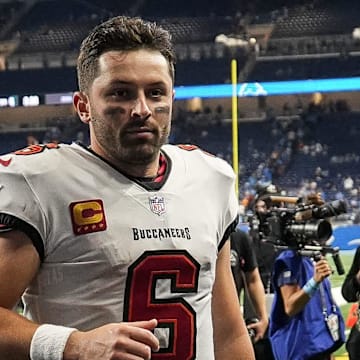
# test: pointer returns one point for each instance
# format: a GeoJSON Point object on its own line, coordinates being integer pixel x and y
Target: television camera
{"type": "Point", "coordinates": [290, 223]}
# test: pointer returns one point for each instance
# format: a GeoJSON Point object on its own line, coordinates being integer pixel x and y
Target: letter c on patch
{"type": "Point", "coordinates": [87, 216]}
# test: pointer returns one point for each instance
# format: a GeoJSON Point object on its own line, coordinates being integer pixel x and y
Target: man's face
{"type": "Point", "coordinates": [130, 106]}
{"type": "Point", "coordinates": [260, 207]}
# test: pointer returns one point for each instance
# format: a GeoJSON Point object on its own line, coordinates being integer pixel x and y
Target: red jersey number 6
{"type": "Point", "coordinates": [174, 314]}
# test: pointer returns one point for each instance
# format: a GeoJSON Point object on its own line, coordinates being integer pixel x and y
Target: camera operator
{"type": "Point", "coordinates": [265, 251]}
{"type": "Point", "coordinates": [246, 276]}
{"type": "Point", "coordinates": [305, 322]}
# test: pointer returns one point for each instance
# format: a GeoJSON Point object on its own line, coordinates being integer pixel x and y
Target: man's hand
{"type": "Point", "coordinates": [322, 270]}
{"type": "Point", "coordinates": [118, 341]}
{"type": "Point", "coordinates": [259, 328]}
{"type": "Point", "coordinates": [314, 198]}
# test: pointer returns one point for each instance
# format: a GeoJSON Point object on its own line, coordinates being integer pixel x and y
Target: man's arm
{"type": "Point", "coordinates": [295, 298]}
{"type": "Point", "coordinates": [257, 297]}
{"type": "Point", "coordinates": [231, 338]}
{"type": "Point", "coordinates": [19, 263]}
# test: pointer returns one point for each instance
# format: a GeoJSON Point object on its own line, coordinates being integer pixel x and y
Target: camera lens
{"type": "Point", "coordinates": [319, 230]}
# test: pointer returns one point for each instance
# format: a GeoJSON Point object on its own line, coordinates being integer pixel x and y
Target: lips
{"type": "Point", "coordinates": [139, 135]}
{"type": "Point", "coordinates": [139, 130]}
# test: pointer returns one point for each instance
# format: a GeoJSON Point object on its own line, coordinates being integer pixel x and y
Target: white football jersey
{"type": "Point", "coordinates": [115, 251]}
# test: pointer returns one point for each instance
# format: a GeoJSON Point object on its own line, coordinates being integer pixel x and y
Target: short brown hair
{"type": "Point", "coordinates": [121, 33]}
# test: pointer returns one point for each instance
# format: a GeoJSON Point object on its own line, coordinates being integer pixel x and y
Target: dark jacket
{"type": "Point", "coordinates": [351, 288]}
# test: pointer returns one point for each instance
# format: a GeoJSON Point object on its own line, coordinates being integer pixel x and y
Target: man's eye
{"type": "Point", "coordinates": [121, 93]}
{"type": "Point", "coordinates": [156, 92]}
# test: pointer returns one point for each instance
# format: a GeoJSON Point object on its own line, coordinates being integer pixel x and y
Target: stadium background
{"type": "Point", "coordinates": [298, 69]}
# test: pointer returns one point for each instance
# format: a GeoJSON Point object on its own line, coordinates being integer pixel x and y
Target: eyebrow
{"type": "Point", "coordinates": [119, 82]}
{"type": "Point", "coordinates": [123, 82]}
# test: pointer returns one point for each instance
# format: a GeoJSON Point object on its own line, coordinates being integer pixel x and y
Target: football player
{"type": "Point", "coordinates": [119, 250]}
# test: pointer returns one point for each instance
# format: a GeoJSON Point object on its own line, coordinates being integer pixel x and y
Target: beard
{"type": "Point", "coordinates": [120, 148]}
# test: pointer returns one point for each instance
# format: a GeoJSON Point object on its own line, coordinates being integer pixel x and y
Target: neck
{"type": "Point", "coordinates": [142, 171]}
{"type": "Point", "coordinates": [137, 169]}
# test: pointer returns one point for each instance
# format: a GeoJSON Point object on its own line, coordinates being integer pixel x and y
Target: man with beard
{"type": "Point", "coordinates": [120, 250]}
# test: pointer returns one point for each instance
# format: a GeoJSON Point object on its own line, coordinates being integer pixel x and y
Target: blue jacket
{"type": "Point", "coordinates": [305, 334]}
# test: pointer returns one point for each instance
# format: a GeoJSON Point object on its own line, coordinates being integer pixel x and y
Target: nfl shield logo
{"type": "Point", "coordinates": [157, 205]}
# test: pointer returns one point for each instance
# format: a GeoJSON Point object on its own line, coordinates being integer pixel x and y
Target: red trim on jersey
{"type": "Point", "coordinates": [5, 227]}
{"type": "Point", "coordinates": [162, 169]}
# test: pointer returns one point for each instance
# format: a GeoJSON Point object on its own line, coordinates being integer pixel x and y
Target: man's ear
{"type": "Point", "coordinates": [82, 106]}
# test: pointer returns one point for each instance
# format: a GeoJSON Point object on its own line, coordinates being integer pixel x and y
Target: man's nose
{"type": "Point", "coordinates": [140, 108]}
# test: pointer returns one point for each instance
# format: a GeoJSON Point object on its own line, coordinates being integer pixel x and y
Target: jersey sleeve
{"type": "Point", "coordinates": [285, 269]}
{"type": "Point", "coordinates": [286, 278]}
{"type": "Point", "coordinates": [227, 199]}
{"type": "Point", "coordinates": [18, 200]}
{"type": "Point", "coordinates": [215, 179]}
{"type": "Point", "coordinates": [9, 222]}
